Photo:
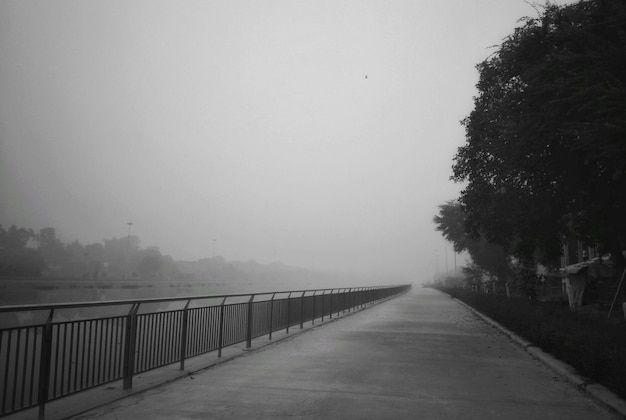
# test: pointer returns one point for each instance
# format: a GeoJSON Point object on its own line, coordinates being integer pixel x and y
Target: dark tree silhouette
{"type": "Point", "coordinates": [545, 156]}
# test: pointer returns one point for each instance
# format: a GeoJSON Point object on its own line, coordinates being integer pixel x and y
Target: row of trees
{"type": "Point", "coordinates": [545, 151]}
{"type": "Point", "coordinates": [489, 260]}
{"type": "Point", "coordinates": [23, 252]}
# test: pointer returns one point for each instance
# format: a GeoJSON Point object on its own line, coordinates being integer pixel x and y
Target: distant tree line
{"type": "Point", "coordinates": [545, 153]}
{"type": "Point", "coordinates": [23, 252]}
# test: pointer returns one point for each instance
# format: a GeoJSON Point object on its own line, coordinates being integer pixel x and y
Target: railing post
{"type": "Point", "coordinates": [302, 310]}
{"type": "Point", "coordinates": [331, 303]}
{"type": "Point", "coordinates": [288, 311]}
{"type": "Point", "coordinates": [44, 365]}
{"type": "Point", "coordinates": [362, 297]}
{"type": "Point", "coordinates": [129, 350]}
{"type": "Point", "coordinates": [220, 338]}
{"type": "Point", "coordinates": [313, 317]}
{"type": "Point", "coordinates": [349, 300]}
{"type": "Point", "coordinates": [323, 299]}
{"type": "Point", "coordinates": [250, 320]}
{"type": "Point", "coordinates": [183, 336]}
{"type": "Point", "coordinates": [339, 301]}
{"type": "Point", "coordinates": [272, 314]}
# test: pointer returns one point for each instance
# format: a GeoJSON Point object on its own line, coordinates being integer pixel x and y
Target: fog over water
{"type": "Point", "coordinates": [315, 133]}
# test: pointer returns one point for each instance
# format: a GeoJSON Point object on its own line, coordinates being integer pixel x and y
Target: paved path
{"type": "Point", "coordinates": [419, 356]}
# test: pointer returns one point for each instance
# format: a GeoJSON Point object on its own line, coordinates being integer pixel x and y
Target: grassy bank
{"type": "Point", "coordinates": [595, 347]}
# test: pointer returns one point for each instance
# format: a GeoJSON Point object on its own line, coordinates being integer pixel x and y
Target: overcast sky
{"type": "Point", "coordinates": [318, 133]}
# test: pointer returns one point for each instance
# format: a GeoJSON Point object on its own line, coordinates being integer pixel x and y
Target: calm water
{"type": "Point", "coordinates": [41, 291]}
{"type": "Point", "coordinates": [18, 292]}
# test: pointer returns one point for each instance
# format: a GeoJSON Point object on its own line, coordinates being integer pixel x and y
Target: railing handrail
{"type": "Point", "coordinates": [44, 362]}
{"type": "Point", "coordinates": [100, 303]}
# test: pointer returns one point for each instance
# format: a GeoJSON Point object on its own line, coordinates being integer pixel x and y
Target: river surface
{"type": "Point", "coordinates": [44, 291]}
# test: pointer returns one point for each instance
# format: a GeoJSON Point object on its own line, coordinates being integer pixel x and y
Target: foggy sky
{"type": "Point", "coordinates": [249, 122]}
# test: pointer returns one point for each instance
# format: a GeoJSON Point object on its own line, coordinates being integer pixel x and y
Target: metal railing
{"type": "Point", "coordinates": [57, 358]}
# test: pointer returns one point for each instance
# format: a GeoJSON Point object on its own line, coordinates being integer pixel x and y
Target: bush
{"type": "Point", "coordinates": [591, 345]}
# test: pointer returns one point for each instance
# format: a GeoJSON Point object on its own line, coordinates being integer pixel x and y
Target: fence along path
{"type": "Point", "coordinates": [57, 358]}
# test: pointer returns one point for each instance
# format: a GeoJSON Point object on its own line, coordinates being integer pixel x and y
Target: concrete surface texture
{"type": "Point", "coordinates": [419, 356]}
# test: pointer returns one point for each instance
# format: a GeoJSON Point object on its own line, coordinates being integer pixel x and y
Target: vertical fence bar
{"type": "Point", "coordinates": [56, 363]}
{"type": "Point", "coordinates": [89, 354]}
{"type": "Point", "coordinates": [6, 369]}
{"type": "Point", "coordinates": [361, 297]}
{"type": "Point", "coordinates": [73, 358]}
{"type": "Point", "coordinates": [81, 382]}
{"type": "Point", "coordinates": [323, 304]}
{"type": "Point", "coordinates": [220, 338]}
{"type": "Point", "coordinates": [129, 348]}
{"type": "Point", "coordinates": [271, 315]}
{"type": "Point", "coordinates": [249, 326]}
{"type": "Point", "coordinates": [44, 365]}
{"type": "Point", "coordinates": [101, 348]}
{"type": "Point", "coordinates": [183, 335]}
{"type": "Point", "coordinates": [338, 302]}
{"type": "Point", "coordinates": [302, 310]}
{"type": "Point", "coordinates": [313, 315]}
{"type": "Point", "coordinates": [331, 304]}
{"type": "Point", "coordinates": [32, 370]}
{"type": "Point", "coordinates": [16, 367]}
{"type": "Point", "coordinates": [288, 310]}
{"type": "Point", "coordinates": [349, 300]}
{"type": "Point", "coordinates": [323, 299]}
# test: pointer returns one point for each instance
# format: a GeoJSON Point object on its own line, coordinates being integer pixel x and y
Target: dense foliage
{"type": "Point", "coordinates": [489, 258]}
{"type": "Point", "coordinates": [492, 263]}
{"type": "Point", "coordinates": [584, 341]}
{"type": "Point", "coordinates": [545, 155]}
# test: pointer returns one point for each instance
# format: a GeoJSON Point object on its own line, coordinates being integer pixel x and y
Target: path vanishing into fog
{"type": "Point", "coordinates": [421, 355]}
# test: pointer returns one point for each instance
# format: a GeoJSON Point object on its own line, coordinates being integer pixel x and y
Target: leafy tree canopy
{"type": "Point", "coordinates": [491, 258]}
{"type": "Point", "coordinates": [16, 258]}
{"type": "Point", "coordinates": [545, 155]}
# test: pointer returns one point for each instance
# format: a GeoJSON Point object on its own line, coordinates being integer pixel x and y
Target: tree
{"type": "Point", "coordinates": [493, 259]}
{"type": "Point", "coordinates": [545, 156]}
{"type": "Point", "coordinates": [473, 276]}
{"type": "Point", "coordinates": [451, 223]}
{"type": "Point", "coordinates": [15, 239]}
{"type": "Point", "coordinates": [52, 249]}
{"type": "Point", "coordinates": [16, 257]}
{"type": "Point", "coordinates": [150, 262]}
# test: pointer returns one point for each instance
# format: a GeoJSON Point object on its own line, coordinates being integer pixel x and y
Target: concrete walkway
{"type": "Point", "coordinates": [418, 356]}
